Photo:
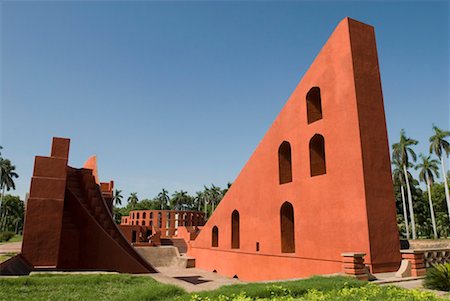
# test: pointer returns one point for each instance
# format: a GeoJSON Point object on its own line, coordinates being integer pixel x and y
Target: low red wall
{"type": "Point", "coordinates": [261, 267]}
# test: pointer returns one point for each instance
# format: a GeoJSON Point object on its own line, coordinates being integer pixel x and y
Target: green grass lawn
{"type": "Point", "coordinates": [130, 288]}
{"type": "Point", "coordinates": [15, 238]}
{"type": "Point", "coordinates": [4, 257]}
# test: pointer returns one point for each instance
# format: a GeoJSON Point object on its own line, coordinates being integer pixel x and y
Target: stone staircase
{"type": "Point", "coordinates": [166, 256]}
{"type": "Point", "coordinates": [179, 243]}
{"type": "Point", "coordinates": [81, 183]}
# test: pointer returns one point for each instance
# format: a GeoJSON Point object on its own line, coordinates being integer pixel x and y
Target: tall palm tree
{"type": "Point", "coordinates": [439, 145]}
{"type": "Point", "coordinates": [7, 175]}
{"type": "Point", "coordinates": [198, 199]}
{"type": "Point", "coordinates": [133, 200]}
{"type": "Point", "coordinates": [163, 198]}
{"type": "Point", "coordinates": [428, 170]}
{"type": "Point", "coordinates": [117, 197]}
{"type": "Point", "coordinates": [180, 199]}
{"type": "Point", "coordinates": [402, 151]}
{"type": "Point", "coordinates": [399, 177]}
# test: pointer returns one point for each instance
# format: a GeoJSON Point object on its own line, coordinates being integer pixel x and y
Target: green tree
{"type": "Point", "coordinates": [439, 146]}
{"type": "Point", "coordinates": [399, 179]}
{"type": "Point", "coordinates": [401, 152]}
{"type": "Point", "coordinates": [148, 204]}
{"type": "Point", "coordinates": [7, 175]}
{"type": "Point", "coordinates": [428, 169]}
{"type": "Point", "coordinates": [180, 200]}
{"type": "Point", "coordinates": [197, 201]}
{"type": "Point", "coordinates": [12, 214]}
{"type": "Point", "coordinates": [133, 200]}
{"type": "Point", "coordinates": [440, 207]}
{"type": "Point", "coordinates": [163, 198]}
{"type": "Point", "coordinates": [117, 197]}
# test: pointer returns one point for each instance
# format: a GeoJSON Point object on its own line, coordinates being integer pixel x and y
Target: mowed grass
{"type": "Point", "coordinates": [133, 288]}
{"type": "Point", "coordinates": [15, 238]}
{"type": "Point", "coordinates": [4, 257]}
{"type": "Point", "coordinates": [294, 288]}
{"type": "Point", "coordinates": [85, 287]}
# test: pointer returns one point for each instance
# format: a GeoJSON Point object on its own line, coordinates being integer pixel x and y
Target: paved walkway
{"type": "Point", "coordinates": [192, 280]}
{"type": "Point", "coordinates": [407, 283]}
{"type": "Point", "coordinates": [13, 247]}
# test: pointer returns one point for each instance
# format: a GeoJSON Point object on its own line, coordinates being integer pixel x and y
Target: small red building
{"type": "Point", "coordinates": [141, 224]}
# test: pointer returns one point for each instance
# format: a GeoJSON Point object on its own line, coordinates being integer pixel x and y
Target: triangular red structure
{"type": "Point", "coordinates": [68, 222]}
{"type": "Point", "coordinates": [319, 183]}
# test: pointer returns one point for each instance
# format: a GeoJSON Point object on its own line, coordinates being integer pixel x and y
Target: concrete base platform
{"type": "Point", "coordinates": [10, 247]}
{"type": "Point", "coordinates": [406, 282]}
{"type": "Point", "coordinates": [166, 256]}
{"type": "Point", "coordinates": [192, 280]}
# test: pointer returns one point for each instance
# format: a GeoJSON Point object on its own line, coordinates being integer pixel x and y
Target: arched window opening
{"type": "Point", "coordinates": [235, 230]}
{"type": "Point", "coordinates": [137, 215]}
{"type": "Point", "coordinates": [314, 105]}
{"type": "Point", "coordinates": [317, 155]}
{"type": "Point", "coordinates": [144, 215]}
{"type": "Point", "coordinates": [284, 163]}
{"type": "Point", "coordinates": [287, 228]}
{"type": "Point", "coordinates": [215, 237]}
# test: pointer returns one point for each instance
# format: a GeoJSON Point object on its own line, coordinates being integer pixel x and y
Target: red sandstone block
{"type": "Point", "coordinates": [417, 266]}
{"type": "Point", "coordinates": [415, 256]}
{"type": "Point", "coordinates": [353, 260]}
{"type": "Point", "coordinates": [47, 188]}
{"type": "Point", "coordinates": [49, 167]}
{"type": "Point", "coordinates": [60, 148]}
{"type": "Point", "coordinates": [354, 266]}
{"type": "Point", "coordinates": [356, 271]}
{"type": "Point", "coordinates": [418, 272]}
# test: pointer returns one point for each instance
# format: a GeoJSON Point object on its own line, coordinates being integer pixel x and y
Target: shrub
{"type": "Point", "coordinates": [438, 277]}
{"type": "Point", "coordinates": [369, 292]}
{"type": "Point", "coordinates": [5, 236]}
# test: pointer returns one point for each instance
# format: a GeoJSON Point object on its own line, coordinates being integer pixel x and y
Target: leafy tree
{"type": "Point", "coordinates": [133, 200]}
{"type": "Point", "coordinates": [197, 200]}
{"type": "Point", "coordinates": [439, 146]}
{"type": "Point", "coordinates": [12, 215]}
{"type": "Point", "coordinates": [180, 199]}
{"type": "Point", "coordinates": [402, 152]}
{"type": "Point", "coordinates": [7, 175]}
{"type": "Point", "coordinates": [117, 197]}
{"type": "Point", "coordinates": [148, 204]}
{"type": "Point", "coordinates": [428, 169]}
{"type": "Point", "coordinates": [163, 198]}
{"type": "Point", "coordinates": [399, 179]}
{"type": "Point", "coordinates": [440, 207]}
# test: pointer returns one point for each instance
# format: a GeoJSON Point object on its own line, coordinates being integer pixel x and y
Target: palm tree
{"type": "Point", "coordinates": [428, 169]}
{"type": "Point", "coordinates": [398, 175]}
{"type": "Point", "coordinates": [7, 175]}
{"type": "Point", "coordinates": [198, 199]}
{"type": "Point", "coordinates": [401, 151]}
{"type": "Point", "coordinates": [163, 198]}
{"type": "Point", "coordinates": [117, 197]}
{"type": "Point", "coordinates": [439, 145]}
{"type": "Point", "coordinates": [180, 199]}
{"type": "Point", "coordinates": [133, 200]}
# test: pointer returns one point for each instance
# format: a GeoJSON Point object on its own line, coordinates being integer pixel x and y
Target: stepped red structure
{"type": "Point", "coordinates": [319, 183]}
{"type": "Point", "coordinates": [68, 221]}
{"type": "Point", "coordinates": [140, 224]}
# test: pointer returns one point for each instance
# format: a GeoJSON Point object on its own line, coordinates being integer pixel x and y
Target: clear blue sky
{"type": "Point", "coordinates": [179, 94]}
